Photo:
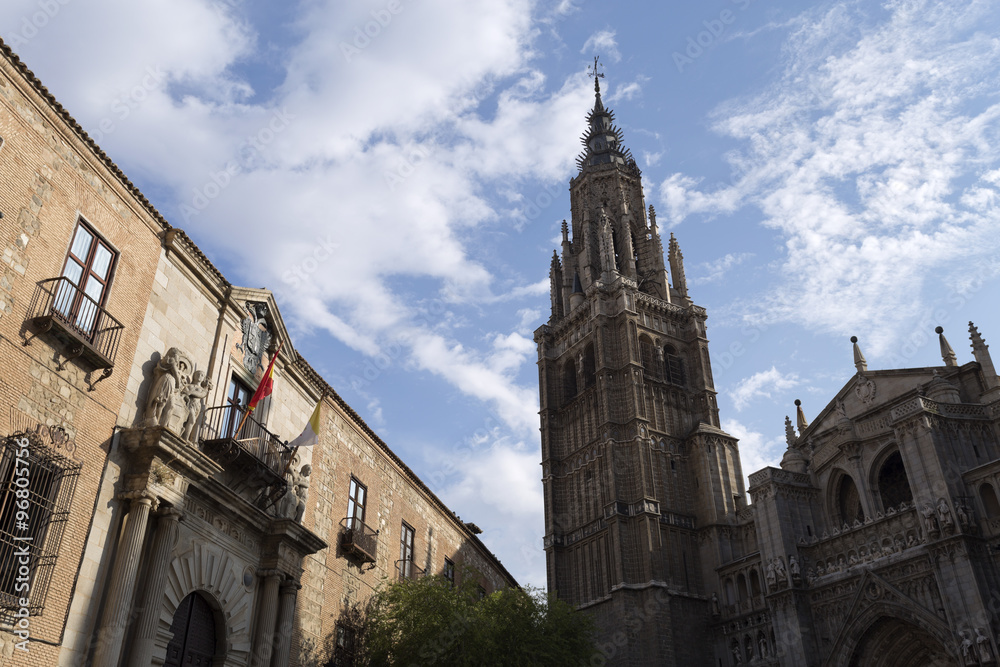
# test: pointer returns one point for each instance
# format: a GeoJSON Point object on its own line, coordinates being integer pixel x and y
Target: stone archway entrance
{"type": "Point", "coordinates": [193, 627]}
{"type": "Point", "coordinates": [891, 642]}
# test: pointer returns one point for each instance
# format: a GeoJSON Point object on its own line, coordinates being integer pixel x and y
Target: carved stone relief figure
{"type": "Point", "coordinates": [793, 567]}
{"type": "Point", "coordinates": [968, 655]}
{"type": "Point", "coordinates": [194, 398]}
{"type": "Point", "coordinates": [984, 647]}
{"type": "Point", "coordinates": [779, 569]}
{"type": "Point", "coordinates": [165, 405]}
{"type": "Point", "coordinates": [930, 521]}
{"type": "Point", "coordinates": [771, 576]}
{"type": "Point", "coordinates": [944, 514]}
{"type": "Point", "coordinates": [293, 504]}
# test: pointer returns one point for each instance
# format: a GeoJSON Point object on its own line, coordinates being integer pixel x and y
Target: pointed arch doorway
{"type": "Point", "coordinates": [193, 627]}
{"type": "Point", "coordinates": [892, 642]}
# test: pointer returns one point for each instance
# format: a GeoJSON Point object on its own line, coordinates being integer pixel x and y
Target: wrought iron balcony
{"type": "Point", "coordinates": [405, 569]}
{"type": "Point", "coordinates": [245, 447]}
{"type": "Point", "coordinates": [358, 540]}
{"type": "Point", "coordinates": [88, 331]}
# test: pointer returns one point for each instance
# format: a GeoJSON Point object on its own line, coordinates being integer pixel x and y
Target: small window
{"type": "Point", "coordinates": [480, 592]}
{"type": "Point", "coordinates": [406, 551]}
{"type": "Point", "coordinates": [33, 521]}
{"type": "Point", "coordinates": [589, 366]}
{"type": "Point", "coordinates": [344, 650]}
{"type": "Point", "coordinates": [87, 273]}
{"type": "Point", "coordinates": [449, 571]}
{"type": "Point", "coordinates": [356, 503]}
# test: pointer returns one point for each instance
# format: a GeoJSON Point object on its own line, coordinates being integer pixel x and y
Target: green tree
{"type": "Point", "coordinates": [431, 622]}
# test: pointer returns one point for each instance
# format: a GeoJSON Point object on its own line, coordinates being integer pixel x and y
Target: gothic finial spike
{"type": "Point", "coordinates": [789, 432]}
{"type": "Point", "coordinates": [800, 417]}
{"type": "Point", "coordinates": [981, 351]}
{"type": "Point", "coordinates": [652, 217]}
{"type": "Point", "coordinates": [859, 358]}
{"type": "Point", "coordinates": [565, 232]}
{"type": "Point", "coordinates": [947, 354]}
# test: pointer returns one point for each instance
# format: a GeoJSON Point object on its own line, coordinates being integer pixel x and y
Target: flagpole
{"type": "Point", "coordinates": [247, 413]}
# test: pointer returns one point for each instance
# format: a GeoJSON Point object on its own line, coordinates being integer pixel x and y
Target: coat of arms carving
{"type": "Point", "coordinates": [256, 335]}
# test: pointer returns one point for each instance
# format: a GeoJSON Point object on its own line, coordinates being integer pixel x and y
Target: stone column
{"type": "Point", "coordinates": [263, 636]}
{"type": "Point", "coordinates": [164, 540]}
{"type": "Point", "coordinates": [286, 623]}
{"type": "Point", "coordinates": [121, 586]}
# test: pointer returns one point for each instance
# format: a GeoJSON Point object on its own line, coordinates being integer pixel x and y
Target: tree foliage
{"type": "Point", "coordinates": [431, 622]}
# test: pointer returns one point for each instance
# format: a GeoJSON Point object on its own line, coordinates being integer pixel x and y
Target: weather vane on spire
{"type": "Point", "coordinates": [594, 73]}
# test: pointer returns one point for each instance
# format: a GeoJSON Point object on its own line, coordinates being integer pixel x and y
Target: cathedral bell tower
{"type": "Point", "coordinates": [640, 482]}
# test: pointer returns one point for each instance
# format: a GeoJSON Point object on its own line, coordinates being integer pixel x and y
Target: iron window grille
{"type": "Point", "coordinates": [31, 530]}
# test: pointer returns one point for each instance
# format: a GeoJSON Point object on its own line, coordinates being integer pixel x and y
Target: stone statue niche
{"type": "Point", "coordinates": [176, 400]}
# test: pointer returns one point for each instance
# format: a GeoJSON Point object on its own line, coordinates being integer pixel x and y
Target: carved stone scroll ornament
{"type": "Point", "coordinates": [176, 399]}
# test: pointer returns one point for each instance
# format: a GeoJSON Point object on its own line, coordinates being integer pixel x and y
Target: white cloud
{"type": "Point", "coordinates": [602, 43]}
{"type": "Point", "coordinates": [761, 385]}
{"type": "Point", "coordinates": [756, 451]}
{"type": "Point", "coordinates": [717, 270]}
{"type": "Point", "coordinates": [871, 158]}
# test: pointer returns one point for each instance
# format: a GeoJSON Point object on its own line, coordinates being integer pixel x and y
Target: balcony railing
{"type": "Point", "coordinates": [406, 569]}
{"type": "Point", "coordinates": [253, 450]}
{"type": "Point", "coordinates": [358, 540]}
{"type": "Point", "coordinates": [88, 330]}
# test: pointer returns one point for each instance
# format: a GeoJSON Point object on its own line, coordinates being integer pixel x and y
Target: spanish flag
{"type": "Point", "coordinates": [266, 383]}
{"type": "Point", "coordinates": [310, 434]}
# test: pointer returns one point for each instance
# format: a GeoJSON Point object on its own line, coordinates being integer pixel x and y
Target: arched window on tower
{"type": "Point", "coordinates": [989, 497]}
{"type": "Point", "coordinates": [893, 485]}
{"type": "Point", "coordinates": [614, 243]}
{"type": "Point", "coordinates": [754, 583]}
{"type": "Point", "coordinates": [647, 358]}
{"type": "Point", "coordinates": [849, 502]}
{"type": "Point", "coordinates": [673, 366]}
{"type": "Point", "coordinates": [569, 381]}
{"type": "Point", "coordinates": [589, 366]}
{"type": "Point", "coordinates": [741, 587]}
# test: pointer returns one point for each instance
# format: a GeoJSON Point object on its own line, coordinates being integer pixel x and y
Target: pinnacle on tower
{"type": "Point", "coordinates": [947, 354]}
{"type": "Point", "coordinates": [981, 351]}
{"type": "Point", "coordinates": [603, 140]}
{"type": "Point", "coordinates": [676, 259]}
{"type": "Point", "coordinates": [800, 417]}
{"type": "Point", "coordinates": [859, 358]}
{"type": "Point", "coordinates": [790, 437]}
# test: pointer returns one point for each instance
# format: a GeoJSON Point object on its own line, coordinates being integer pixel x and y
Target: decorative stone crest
{"type": "Point", "coordinates": [256, 335]}
{"type": "Point", "coordinates": [177, 398]}
{"type": "Point", "coordinates": [865, 389]}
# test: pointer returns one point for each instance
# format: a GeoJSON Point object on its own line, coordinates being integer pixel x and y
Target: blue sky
{"type": "Point", "coordinates": [396, 171]}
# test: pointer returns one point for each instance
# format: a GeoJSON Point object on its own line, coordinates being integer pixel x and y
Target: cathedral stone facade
{"type": "Point", "coordinates": [877, 541]}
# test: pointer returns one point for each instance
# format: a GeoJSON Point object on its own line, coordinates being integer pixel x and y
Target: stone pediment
{"type": "Point", "coordinates": [867, 392]}
{"type": "Point", "coordinates": [256, 305]}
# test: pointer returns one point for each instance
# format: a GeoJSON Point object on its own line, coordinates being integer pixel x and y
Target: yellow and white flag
{"type": "Point", "coordinates": [310, 434]}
